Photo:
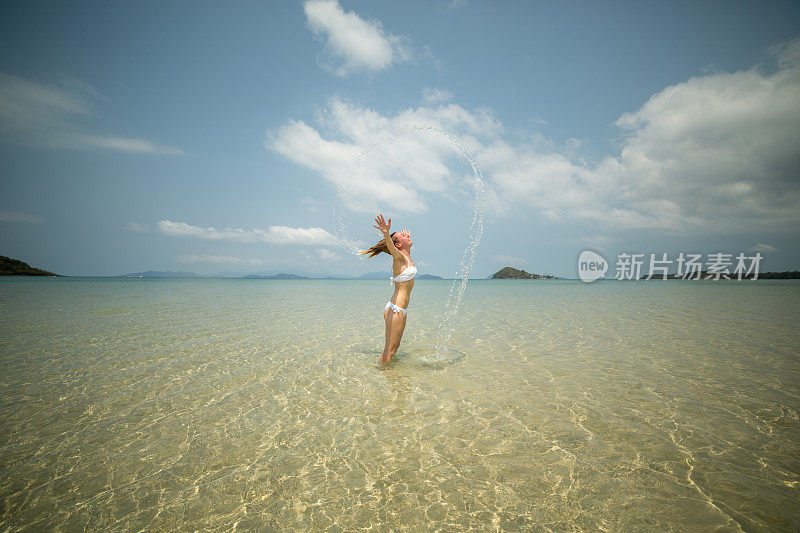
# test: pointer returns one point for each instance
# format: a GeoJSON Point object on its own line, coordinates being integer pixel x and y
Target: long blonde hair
{"type": "Point", "coordinates": [378, 248]}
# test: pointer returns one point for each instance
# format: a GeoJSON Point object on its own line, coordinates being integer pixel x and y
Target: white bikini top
{"type": "Point", "coordinates": [407, 274]}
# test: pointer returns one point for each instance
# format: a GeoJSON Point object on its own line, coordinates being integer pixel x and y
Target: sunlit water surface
{"type": "Point", "coordinates": [199, 404]}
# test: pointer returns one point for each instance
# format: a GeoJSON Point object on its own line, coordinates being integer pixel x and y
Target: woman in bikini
{"type": "Point", "coordinates": [398, 245]}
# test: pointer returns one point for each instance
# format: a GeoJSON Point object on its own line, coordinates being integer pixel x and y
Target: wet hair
{"type": "Point", "coordinates": [378, 248]}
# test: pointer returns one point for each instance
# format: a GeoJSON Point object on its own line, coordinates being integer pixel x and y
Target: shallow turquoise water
{"type": "Point", "coordinates": [198, 404]}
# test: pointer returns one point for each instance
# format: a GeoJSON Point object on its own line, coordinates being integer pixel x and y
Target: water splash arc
{"type": "Point", "coordinates": [474, 232]}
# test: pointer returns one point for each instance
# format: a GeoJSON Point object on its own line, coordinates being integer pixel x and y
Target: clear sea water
{"type": "Point", "coordinates": [256, 405]}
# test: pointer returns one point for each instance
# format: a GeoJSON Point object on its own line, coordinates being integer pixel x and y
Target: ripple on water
{"type": "Point", "coordinates": [209, 404]}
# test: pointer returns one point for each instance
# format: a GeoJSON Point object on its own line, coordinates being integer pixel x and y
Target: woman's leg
{"type": "Point", "coordinates": [387, 320]}
{"type": "Point", "coordinates": [395, 325]}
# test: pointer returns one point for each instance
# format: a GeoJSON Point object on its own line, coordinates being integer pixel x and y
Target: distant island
{"type": "Point", "coordinates": [387, 275]}
{"type": "Point", "coordinates": [371, 275]}
{"type": "Point", "coordinates": [704, 275]}
{"type": "Point", "coordinates": [375, 275]}
{"type": "Point", "coordinates": [513, 273]}
{"type": "Point", "coordinates": [276, 276]}
{"type": "Point", "coordinates": [789, 274]}
{"type": "Point", "coordinates": [15, 267]}
{"type": "Point", "coordinates": [265, 275]}
{"type": "Point", "coordinates": [157, 274]}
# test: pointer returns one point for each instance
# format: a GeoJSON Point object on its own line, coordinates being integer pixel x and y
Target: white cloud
{"type": "Point", "coordinates": [135, 226]}
{"type": "Point", "coordinates": [136, 146]}
{"type": "Point", "coordinates": [427, 53]}
{"type": "Point", "coordinates": [219, 259]}
{"type": "Point", "coordinates": [313, 205]}
{"type": "Point", "coordinates": [182, 229]}
{"type": "Point", "coordinates": [20, 216]}
{"type": "Point", "coordinates": [432, 96]}
{"type": "Point", "coordinates": [320, 254]}
{"type": "Point", "coordinates": [327, 255]}
{"type": "Point", "coordinates": [302, 236]}
{"type": "Point", "coordinates": [717, 152]}
{"type": "Point", "coordinates": [55, 116]}
{"type": "Point", "coordinates": [761, 247]}
{"type": "Point", "coordinates": [368, 172]}
{"type": "Point", "coordinates": [272, 235]}
{"type": "Point", "coordinates": [715, 148]}
{"type": "Point", "coordinates": [353, 43]}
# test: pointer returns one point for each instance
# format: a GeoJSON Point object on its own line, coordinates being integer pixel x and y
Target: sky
{"type": "Point", "coordinates": [197, 136]}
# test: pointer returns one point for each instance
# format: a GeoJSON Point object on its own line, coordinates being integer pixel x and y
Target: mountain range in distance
{"type": "Point", "coordinates": [260, 275]}
{"type": "Point", "coordinates": [505, 273]}
{"type": "Point", "coordinates": [16, 267]}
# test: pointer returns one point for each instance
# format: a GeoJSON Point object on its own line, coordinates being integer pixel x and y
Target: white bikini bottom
{"type": "Point", "coordinates": [395, 307]}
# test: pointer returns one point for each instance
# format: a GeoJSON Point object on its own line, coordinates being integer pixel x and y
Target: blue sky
{"type": "Point", "coordinates": [209, 138]}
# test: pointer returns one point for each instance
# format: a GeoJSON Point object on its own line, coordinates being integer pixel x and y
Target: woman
{"type": "Point", "coordinates": [398, 245]}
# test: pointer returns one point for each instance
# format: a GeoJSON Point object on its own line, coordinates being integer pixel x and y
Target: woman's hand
{"type": "Point", "coordinates": [382, 225]}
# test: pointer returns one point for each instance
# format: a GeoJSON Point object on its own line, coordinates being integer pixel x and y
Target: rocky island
{"type": "Point", "coordinates": [15, 267]}
{"type": "Point", "coordinates": [513, 273]}
{"type": "Point", "coordinates": [705, 275]}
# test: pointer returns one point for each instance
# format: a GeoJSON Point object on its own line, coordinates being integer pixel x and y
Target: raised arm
{"type": "Point", "coordinates": [385, 226]}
